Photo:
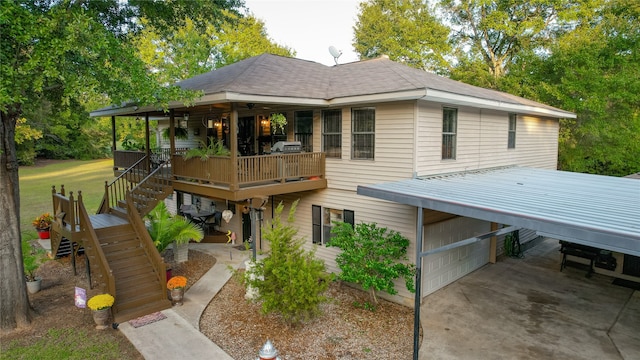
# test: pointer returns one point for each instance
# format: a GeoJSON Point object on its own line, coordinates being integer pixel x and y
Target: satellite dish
{"type": "Point", "coordinates": [335, 53]}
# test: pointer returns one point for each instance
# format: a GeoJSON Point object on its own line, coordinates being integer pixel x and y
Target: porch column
{"type": "Point", "coordinates": [233, 128]}
{"type": "Point", "coordinates": [172, 133]}
{"type": "Point", "coordinates": [147, 142]}
{"type": "Point", "coordinates": [493, 244]}
{"type": "Point", "coordinates": [418, 286]}
{"type": "Point", "coordinates": [113, 134]}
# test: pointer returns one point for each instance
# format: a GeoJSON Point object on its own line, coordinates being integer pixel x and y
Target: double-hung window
{"type": "Point", "coordinates": [512, 131]}
{"type": "Point", "coordinates": [332, 133]}
{"type": "Point", "coordinates": [363, 133]}
{"type": "Point", "coordinates": [449, 128]}
{"type": "Point", "coordinates": [323, 219]}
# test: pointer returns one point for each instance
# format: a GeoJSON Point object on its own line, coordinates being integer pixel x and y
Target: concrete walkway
{"type": "Point", "coordinates": [178, 336]}
{"type": "Point", "coordinates": [515, 309]}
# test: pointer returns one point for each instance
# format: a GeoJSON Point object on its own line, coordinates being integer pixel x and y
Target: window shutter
{"type": "Point", "coordinates": [349, 217]}
{"type": "Point", "coordinates": [316, 220]}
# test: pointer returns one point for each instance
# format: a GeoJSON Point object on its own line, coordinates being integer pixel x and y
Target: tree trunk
{"type": "Point", "coordinates": [14, 303]}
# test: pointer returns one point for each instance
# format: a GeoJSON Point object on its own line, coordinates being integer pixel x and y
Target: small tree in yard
{"type": "Point", "coordinates": [370, 257]}
{"type": "Point", "coordinates": [294, 281]}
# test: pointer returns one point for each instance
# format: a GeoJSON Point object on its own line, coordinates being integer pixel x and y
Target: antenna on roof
{"type": "Point", "coordinates": [335, 53]}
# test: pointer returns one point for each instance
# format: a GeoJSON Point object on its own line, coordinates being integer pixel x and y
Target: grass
{"type": "Point", "coordinates": [75, 175]}
{"type": "Point", "coordinates": [64, 344]}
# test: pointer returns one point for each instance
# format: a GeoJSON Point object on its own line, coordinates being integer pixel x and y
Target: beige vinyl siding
{"type": "Point", "coordinates": [482, 137]}
{"type": "Point", "coordinates": [394, 216]}
{"type": "Point", "coordinates": [394, 150]}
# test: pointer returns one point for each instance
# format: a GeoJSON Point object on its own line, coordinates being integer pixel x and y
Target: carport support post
{"type": "Point", "coordinates": [418, 286]}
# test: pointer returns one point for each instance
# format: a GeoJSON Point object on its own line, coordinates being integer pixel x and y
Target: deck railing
{"type": "Point", "coordinates": [100, 269]}
{"type": "Point", "coordinates": [219, 170]}
{"type": "Point", "coordinates": [116, 190]}
{"type": "Point", "coordinates": [65, 215]}
{"type": "Point", "coordinates": [124, 159]}
{"type": "Point", "coordinates": [146, 243]}
{"type": "Point", "coordinates": [148, 192]}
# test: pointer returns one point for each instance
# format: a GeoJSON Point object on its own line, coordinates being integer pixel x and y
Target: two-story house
{"type": "Point", "coordinates": [357, 124]}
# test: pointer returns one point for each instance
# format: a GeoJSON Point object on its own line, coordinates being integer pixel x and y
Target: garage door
{"type": "Point", "coordinates": [446, 267]}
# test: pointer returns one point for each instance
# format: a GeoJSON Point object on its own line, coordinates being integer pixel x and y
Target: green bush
{"type": "Point", "coordinates": [371, 257]}
{"type": "Point", "coordinates": [294, 281]}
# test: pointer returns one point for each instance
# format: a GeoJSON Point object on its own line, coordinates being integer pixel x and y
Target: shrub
{"type": "Point", "coordinates": [370, 257]}
{"type": "Point", "coordinates": [294, 281]}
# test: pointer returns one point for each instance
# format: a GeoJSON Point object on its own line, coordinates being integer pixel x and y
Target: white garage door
{"type": "Point", "coordinates": [446, 267]}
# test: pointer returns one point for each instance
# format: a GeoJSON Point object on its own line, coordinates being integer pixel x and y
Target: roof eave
{"type": "Point", "coordinates": [457, 99]}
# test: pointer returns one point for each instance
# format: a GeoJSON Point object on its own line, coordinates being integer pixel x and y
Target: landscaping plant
{"type": "Point", "coordinates": [294, 280]}
{"type": "Point", "coordinates": [165, 228]}
{"type": "Point", "coordinates": [372, 257]}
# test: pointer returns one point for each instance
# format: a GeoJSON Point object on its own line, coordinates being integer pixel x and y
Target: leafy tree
{"type": "Point", "coordinates": [405, 30]}
{"type": "Point", "coordinates": [57, 51]}
{"type": "Point", "coordinates": [593, 71]}
{"type": "Point", "coordinates": [496, 32]}
{"type": "Point", "coordinates": [371, 257]}
{"type": "Point", "coordinates": [290, 281]}
{"type": "Point", "coordinates": [165, 228]}
{"type": "Point", "coordinates": [25, 136]}
{"type": "Point", "coordinates": [191, 51]}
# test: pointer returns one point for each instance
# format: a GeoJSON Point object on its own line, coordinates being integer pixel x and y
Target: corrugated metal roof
{"type": "Point", "coordinates": [594, 210]}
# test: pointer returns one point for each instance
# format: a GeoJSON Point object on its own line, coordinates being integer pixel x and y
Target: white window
{"type": "Point", "coordinates": [323, 220]}
{"type": "Point", "coordinates": [512, 131]}
{"type": "Point", "coordinates": [363, 133]}
{"type": "Point", "coordinates": [449, 128]}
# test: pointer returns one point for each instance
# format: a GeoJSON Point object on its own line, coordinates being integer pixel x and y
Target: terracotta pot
{"type": "Point", "coordinates": [176, 296]}
{"type": "Point", "coordinates": [101, 318]}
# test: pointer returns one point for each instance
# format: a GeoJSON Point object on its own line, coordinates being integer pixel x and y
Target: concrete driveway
{"type": "Point", "coordinates": [527, 309]}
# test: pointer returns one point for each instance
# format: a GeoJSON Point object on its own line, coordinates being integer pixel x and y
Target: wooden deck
{"type": "Point", "coordinates": [100, 221]}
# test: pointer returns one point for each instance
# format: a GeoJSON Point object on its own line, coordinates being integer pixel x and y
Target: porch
{"type": "Point", "coordinates": [246, 177]}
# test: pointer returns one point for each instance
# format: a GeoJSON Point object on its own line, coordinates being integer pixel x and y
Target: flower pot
{"type": "Point", "coordinates": [43, 233]}
{"type": "Point", "coordinates": [176, 296]}
{"type": "Point", "coordinates": [180, 252]}
{"type": "Point", "coordinates": [101, 318]}
{"type": "Point", "coordinates": [34, 286]}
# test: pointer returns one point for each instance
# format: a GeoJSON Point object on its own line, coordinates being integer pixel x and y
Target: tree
{"type": "Point", "coordinates": [56, 51]}
{"type": "Point", "coordinates": [371, 257]}
{"type": "Point", "coordinates": [290, 281]}
{"type": "Point", "coordinates": [496, 32]}
{"type": "Point", "coordinates": [191, 51]}
{"type": "Point", "coordinates": [595, 72]}
{"type": "Point", "coordinates": [405, 30]}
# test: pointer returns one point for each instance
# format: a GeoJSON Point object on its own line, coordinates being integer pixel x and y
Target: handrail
{"type": "Point", "coordinates": [65, 215]}
{"type": "Point", "coordinates": [94, 250]}
{"type": "Point", "coordinates": [146, 243]}
{"type": "Point", "coordinates": [116, 190]}
{"type": "Point", "coordinates": [157, 181]}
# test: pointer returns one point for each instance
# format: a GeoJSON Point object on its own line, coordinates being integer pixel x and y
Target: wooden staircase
{"type": "Point", "coordinates": [138, 288]}
{"type": "Point", "coordinates": [123, 260]}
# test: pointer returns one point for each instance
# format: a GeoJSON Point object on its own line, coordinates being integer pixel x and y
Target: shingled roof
{"type": "Point", "coordinates": [281, 77]}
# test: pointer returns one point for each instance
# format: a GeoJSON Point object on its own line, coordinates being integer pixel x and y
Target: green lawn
{"type": "Point", "coordinates": [75, 175]}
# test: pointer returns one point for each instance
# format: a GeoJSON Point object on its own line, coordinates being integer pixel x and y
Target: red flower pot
{"type": "Point", "coordinates": [43, 234]}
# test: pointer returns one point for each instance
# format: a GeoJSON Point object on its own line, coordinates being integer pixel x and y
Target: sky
{"type": "Point", "coordinates": [310, 27]}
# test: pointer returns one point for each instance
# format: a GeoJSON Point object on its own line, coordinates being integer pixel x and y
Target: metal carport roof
{"type": "Point", "coordinates": [594, 210]}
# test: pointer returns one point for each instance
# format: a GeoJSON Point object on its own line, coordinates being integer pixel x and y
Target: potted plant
{"type": "Point", "coordinates": [204, 151]}
{"type": "Point", "coordinates": [31, 260]}
{"type": "Point", "coordinates": [176, 285]}
{"type": "Point", "coordinates": [165, 229]}
{"type": "Point", "coordinates": [278, 122]}
{"type": "Point", "coordinates": [42, 224]}
{"type": "Point", "coordinates": [179, 132]}
{"type": "Point", "coordinates": [100, 306]}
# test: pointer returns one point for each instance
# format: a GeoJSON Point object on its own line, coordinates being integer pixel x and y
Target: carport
{"type": "Point", "coordinates": [592, 210]}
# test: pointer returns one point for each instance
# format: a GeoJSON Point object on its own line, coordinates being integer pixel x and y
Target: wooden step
{"type": "Point", "coordinates": [118, 246]}
{"type": "Point", "coordinates": [129, 254]}
{"type": "Point", "coordinates": [146, 275]}
{"type": "Point", "coordinates": [120, 211]}
{"type": "Point", "coordinates": [132, 269]}
{"type": "Point", "coordinates": [121, 316]}
{"type": "Point", "coordinates": [131, 299]}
